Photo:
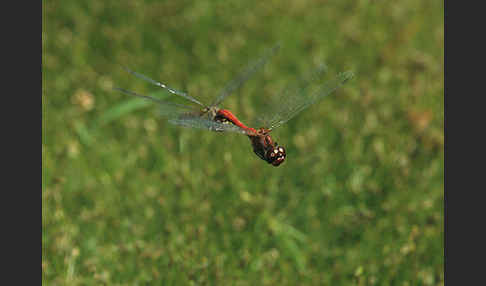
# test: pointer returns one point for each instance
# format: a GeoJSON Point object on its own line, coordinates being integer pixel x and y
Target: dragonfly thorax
{"type": "Point", "coordinates": [211, 112]}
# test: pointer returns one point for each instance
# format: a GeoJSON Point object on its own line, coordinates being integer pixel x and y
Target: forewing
{"type": "Point", "coordinates": [166, 108]}
{"type": "Point", "coordinates": [186, 116]}
{"type": "Point", "coordinates": [298, 97]}
{"type": "Point", "coordinates": [245, 74]}
{"type": "Point", "coordinates": [164, 86]}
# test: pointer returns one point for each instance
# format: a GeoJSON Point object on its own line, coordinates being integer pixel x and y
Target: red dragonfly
{"type": "Point", "coordinates": [210, 117]}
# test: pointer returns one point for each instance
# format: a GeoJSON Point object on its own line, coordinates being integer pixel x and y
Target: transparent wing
{"type": "Point", "coordinates": [245, 75]}
{"type": "Point", "coordinates": [159, 84]}
{"type": "Point", "coordinates": [187, 116]}
{"type": "Point", "coordinates": [166, 108]}
{"type": "Point", "coordinates": [206, 124]}
{"type": "Point", "coordinates": [300, 96]}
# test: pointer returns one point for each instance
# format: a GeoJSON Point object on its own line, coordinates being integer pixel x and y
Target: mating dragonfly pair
{"type": "Point", "coordinates": [211, 117]}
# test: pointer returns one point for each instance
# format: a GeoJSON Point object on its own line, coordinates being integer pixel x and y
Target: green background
{"type": "Point", "coordinates": [128, 199]}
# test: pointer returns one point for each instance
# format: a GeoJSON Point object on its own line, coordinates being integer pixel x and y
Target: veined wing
{"type": "Point", "coordinates": [187, 116]}
{"type": "Point", "coordinates": [302, 95]}
{"type": "Point", "coordinates": [166, 108]}
{"type": "Point", "coordinates": [244, 75]}
{"type": "Point", "coordinates": [198, 122]}
{"type": "Point", "coordinates": [159, 84]}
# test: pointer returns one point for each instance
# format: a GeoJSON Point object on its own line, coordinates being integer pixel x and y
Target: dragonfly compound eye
{"type": "Point", "coordinates": [276, 156]}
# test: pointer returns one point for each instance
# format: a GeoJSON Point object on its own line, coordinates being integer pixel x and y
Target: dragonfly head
{"type": "Point", "coordinates": [265, 148]}
{"type": "Point", "coordinates": [276, 155]}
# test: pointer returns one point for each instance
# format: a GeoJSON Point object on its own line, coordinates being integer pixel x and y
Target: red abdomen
{"type": "Point", "coordinates": [227, 115]}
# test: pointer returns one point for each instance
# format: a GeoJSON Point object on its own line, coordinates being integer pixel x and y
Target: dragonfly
{"type": "Point", "coordinates": [291, 101]}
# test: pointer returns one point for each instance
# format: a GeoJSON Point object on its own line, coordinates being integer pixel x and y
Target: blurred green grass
{"type": "Point", "coordinates": [128, 198]}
